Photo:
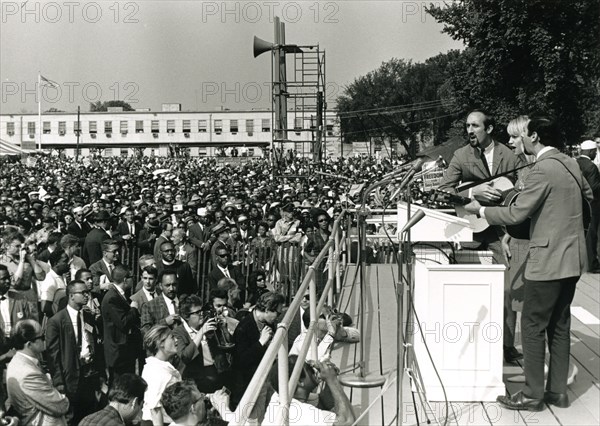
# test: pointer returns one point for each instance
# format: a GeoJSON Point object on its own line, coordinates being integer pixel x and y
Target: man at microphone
{"type": "Point", "coordinates": [482, 158]}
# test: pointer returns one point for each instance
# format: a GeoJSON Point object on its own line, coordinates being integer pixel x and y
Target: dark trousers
{"type": "Point", "coordinates": [83, 401]}
{"type": "Point", "coordinates": [547, 314]}
{"type": "Point", "coordinates": [121, 367]}
{"type": "Point", "coordinates": [591, 241]}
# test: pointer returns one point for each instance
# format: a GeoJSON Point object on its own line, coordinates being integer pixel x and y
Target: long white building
{"type": "Point", "coordinates": [122, 132]}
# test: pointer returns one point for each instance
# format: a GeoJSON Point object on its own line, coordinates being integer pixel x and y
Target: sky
{"type": "Point", "coordinates": [196, 53]}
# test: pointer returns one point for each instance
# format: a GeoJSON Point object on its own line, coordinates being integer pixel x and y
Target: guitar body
{"type": "Point", "coordinates": [479, 224]}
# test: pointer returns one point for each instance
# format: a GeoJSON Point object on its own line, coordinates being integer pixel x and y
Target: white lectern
{"type": "Point", "coordinates": [460, 310]}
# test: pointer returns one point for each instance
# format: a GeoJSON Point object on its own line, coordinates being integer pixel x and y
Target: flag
{"type": "Point", "coordinates": [48, 82]}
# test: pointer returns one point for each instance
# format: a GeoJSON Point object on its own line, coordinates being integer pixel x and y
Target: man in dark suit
{"type": "Point", "coordinates": [197, 230]}
{"type": "Point", "coordinates": [185, 251]}
{"type": "Point", "coordinates": [120, 318]}
{"type": "Point", "coordinates": [128, 229]}
{"type": "Point", "coordinates": [77, 368]}
{"type": "Point", "coordinates": [103, 269]}
{"type": "Point", "coordinates": [251, 337]}
{"type": "Point", "coordinates": [165, 235]}
{"type": "Point", "coordinates": [246, 233]}
{"type": "Point", "coordinates": [224, 270]}
{"type": "Point", "coordinates": [79, 227]}
{"type": "Point", "coordinates": [92, 246]}
{"type": "Point", "coordinates": [164, 308]}
{"type": "Point", "coordinates": [482, 158]}
{"type": "Point", "coordinates": [148, 234]}
{"type": "Point", "coordinates": [592, 175]}
{"type": "Point", "coordinates": [552, 198]}
{"type": "Point", "coordinates": [185, 277]}
{"type": "Point", "coordinates": [125, 400]}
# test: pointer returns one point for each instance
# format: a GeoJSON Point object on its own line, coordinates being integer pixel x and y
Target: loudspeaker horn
{"type": "Point", "coordinates": [261, 46]}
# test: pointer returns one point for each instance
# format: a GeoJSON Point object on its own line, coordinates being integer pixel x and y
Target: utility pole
{"type": "Point", "coordinates": [78, 133]}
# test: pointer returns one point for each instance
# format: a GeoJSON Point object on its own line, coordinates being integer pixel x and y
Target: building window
{"type": "Point", "coordinates": [298, 125]}
{"type": "Point", "coordinates": [46, 127]}
{"type": "Point", "coordinates": [139, 126]}
{"type": "Point", "coordinates": [31, 128]}
{"type": "Point", "coordinates": [266, 124]}
{"type": "Point", "coordinates": [108, 127]}
{"type": "Point", "coordinates": [170, 126]}
{"type": "Point", "coordinates": [202, 152]}
{"type": "Point", "coordinates": [202, 125]}
{"type": "Point", "coordinates": [93, 127]}
{"type": "Point", "coordinates": [108, 152]}
{"type": "Point", "coordinates": [154, 126]}
{"type": "Point", "coordinates": [76, 128]}
{"type": "Point", "coordinates": [124, 152]}
{"type": "Point", "coordinates": [62, 128]}
{"type": "Point", "coordinates": [10, 128]}
{"type": "Point", "coordinates": [123, 127]}
{"type": "Point", "coordinates": [250, 127]}
{"type": "Point", "coordinates": [78, 151]}
{"type": "Point", "coordinates": [218, 126]}
{"type": "Point", "coordinates": [329, 127]}
{"type": "Point", "coordinates": [187, 126]}
{"type": "Point", "coordinates": [313, 122]}
{"type": "Point", "coordinates": [233, 126]}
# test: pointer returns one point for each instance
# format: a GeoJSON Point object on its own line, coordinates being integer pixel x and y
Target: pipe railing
{"type": "Point", "coordinates": [278, 347]}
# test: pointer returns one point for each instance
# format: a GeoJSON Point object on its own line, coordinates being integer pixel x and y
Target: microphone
{"type": "Point", "coordinates": [416, 218]}
{"type": "Point", "coordinates": [417, 165]}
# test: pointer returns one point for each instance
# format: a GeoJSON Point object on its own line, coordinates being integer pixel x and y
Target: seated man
{"type": "Point", "coordinates": [125, 400]}
{"type": "Point", "coordinates": [302, 413]}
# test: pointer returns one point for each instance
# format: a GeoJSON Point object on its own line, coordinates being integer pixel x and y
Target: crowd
{"type": "Point", "coordinates": [121, 280]}
{"type": "Point", "coordinates": [151, 287]}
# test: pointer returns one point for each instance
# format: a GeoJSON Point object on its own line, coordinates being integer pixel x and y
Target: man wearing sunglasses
{"type": "Point", "coordinates": [102, 270]}
{"type": "Point", "coordinates": [224, 269]}
{"type": "Point", "coordinates": [73, 359]}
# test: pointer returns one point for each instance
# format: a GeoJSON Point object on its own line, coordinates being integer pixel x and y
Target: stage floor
{"type": "Point", "coordinates": [380, 357]}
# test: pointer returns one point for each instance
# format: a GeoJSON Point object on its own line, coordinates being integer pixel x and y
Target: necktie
{"type": "Point", "coordinates": [110, 269]}
{"type": "Point", "coordinates": [79, 337]}
{"type": "Point", "coordinates": [152, 295]}
{"type": "Point", "coordinates": [226, 272]}
{"type": "Point", "coordinates": [2, 298]}
{"type": "Point", "coordinates": [175, 307]}
{"type": "Point", "coordinates": [485, 163]}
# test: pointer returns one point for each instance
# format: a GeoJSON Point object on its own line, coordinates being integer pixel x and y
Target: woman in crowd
{"type": "Point", "coordinates": [158, 373]}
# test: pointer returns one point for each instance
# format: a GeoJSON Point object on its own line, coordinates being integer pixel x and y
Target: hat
{"type": "Point", "coordinates": [154, 224]}
{"type": "Point", "coordinates": [123, 210]}
{"type": "Point", "coordinates": [242, 218]}
{"type": "Point", "coordinates": [102, 216]}
{"type": "Point", "coordinates": [195, 197]}
{"type": "Point", "coordinates": [289, 207]}
{"type": "Point", "coordinates": [589, 144]}
{"type": "Point", "coordinates": [228, 206]}
{"type": "Point", "coordinates": [219, 228]}
{"type": "Point", "coordinates": [37, 192]}
{"type": "Point", "coordinates": [189, 219]}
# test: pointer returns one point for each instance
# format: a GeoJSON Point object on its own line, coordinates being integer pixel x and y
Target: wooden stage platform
{"type": "Point", "coordinates": [381, 339]}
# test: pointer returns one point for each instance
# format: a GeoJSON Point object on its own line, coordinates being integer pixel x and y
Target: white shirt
{"type": "Point", "coordinates": [225, 271]}
{"type": "Point", "coordinates": [148, 295]}
{"type": "Point", "coordinates": [51, 283]}
{"type": "Point", "coordinates": [159, 375]}
{"type": "Point", "coordinates": [323, 348]}
{"type": "Point", "coordinates": [170, 305]}
{"type": "Point", "coordinates": [5, 312]}
{"type": "Point", "coordinates": [489, 156]}
{"type": "Point", "coordinates": [300, 413]}
{"type": "Point", "coordinates": [85, 346]}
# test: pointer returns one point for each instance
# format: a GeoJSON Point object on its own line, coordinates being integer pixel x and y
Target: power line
{"type": "Point", "coordinates": [402, 124]}
{"type": "Point", "coordinates": [392, 107]}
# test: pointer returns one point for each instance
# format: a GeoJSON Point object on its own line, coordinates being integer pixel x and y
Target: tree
{"type": "Point", "coordinates": [525, 56]}
{"type": "Point", "coordinates": [103, 106]}
{"type": "Point", "coordinates": [399, 101]}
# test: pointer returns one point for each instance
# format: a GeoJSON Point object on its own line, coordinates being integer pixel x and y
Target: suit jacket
{"type": "Point", "coordinates": [145, 241]}
{"type": "Point", "coordinates": [154, 312]}
{"type": "Point", "coordinates": [108, 416]}
{"type": "Point", "coordinates": [466, 165]}
{"type": "Point", "coordinates": [63, 354]}
{"type": "Point", "coordinates": [18, 309]}
{"type": "Point", "coordinates": [123, 229]}
{"type": "Point", "coordinates": [92, 247]}
{"type": "Point", "coordinates": [98, 269]}
{"type": "Point", "coordinates": [140, 297]}
{"type": "Point", "coordinates": [234, 272]}
{"type": "Point", "coordinates": [120, 322]}
{"type": "Point", "coordinates": [156, 249]}
{"type": "Point", "coordinates": [32, 394]}
{"type": "Point", "coordinates": [79, 231]}
{"type": "Point", "coordinates": [185, 276]}
{"type": "Point", "coordinates": [197, 235]}
{"type": "Point", "coordinates": [552, 199]}
{"type": "Point", "coordinates": [248, 351]}
{"type": "Point", "coordinates": [592, 175]}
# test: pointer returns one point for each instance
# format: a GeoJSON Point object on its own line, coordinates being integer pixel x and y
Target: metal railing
{"type": "Point", "coordinates": [278, 347]}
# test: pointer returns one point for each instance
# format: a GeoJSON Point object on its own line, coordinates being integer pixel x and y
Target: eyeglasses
{"type": "Point", "coordinates": [322, 220]}
{"type": "Point", "coordinates": [306, 297]}
{"type": "Point", "coordinates": [223, 254]}
{"type": "Point", "coordinates": [198, 312]}
{"type": "Point", "coordinates": [85, 292]}
{"type": "Point", "coordinates": [40, 337]}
